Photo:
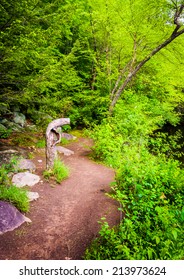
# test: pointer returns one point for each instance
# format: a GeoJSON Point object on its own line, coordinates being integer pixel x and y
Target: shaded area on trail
{"type": "Point", "coordinates": [65, 217]}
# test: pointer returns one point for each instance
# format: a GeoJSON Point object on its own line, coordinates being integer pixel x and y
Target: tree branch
{"type": "Point", "coordinates": [122, 72]}
{"type": "Point", "coordinates": [133, 73]}
{"type": "Point", "coordinates": [177, 16]}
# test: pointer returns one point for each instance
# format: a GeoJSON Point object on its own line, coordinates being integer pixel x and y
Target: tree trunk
{"type": "Point", "coordinates": [53, 136]}
{"type": "Point", "coordinates": [117, 91]}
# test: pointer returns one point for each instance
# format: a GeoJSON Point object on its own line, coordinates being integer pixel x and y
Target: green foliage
{"type": "Point", "coordinates": [16, 196]}
{"type": "Point", "coordinates": [5, 133]}
{"type": "Point", "coordinates": [40, 143]}
{"type": "Point", "coordinates": [23, 139]}
{"type": "Point", "coordinates": [47, 174]}
{"type": "Point", "coordinates": [11, 193]}
{"type": "Point", "coordinates": [55, 66]}
{"type": "Point", "coordinates": [69, 65]}
{"type": "Point", "coordinates": [171, 145]}
{"type": "Point", "coordinates": [64, 141]}
{"type": "Point", "coordinates": [135, 118]}
{"type": "Point", "coordinates": [150, 190]}
{"type": "Point", "coordinates": [59, 172]}
{"type": "Point", "coordinates": [149, 187]}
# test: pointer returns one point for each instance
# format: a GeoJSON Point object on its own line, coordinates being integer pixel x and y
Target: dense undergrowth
{"type": "Point", "coordinates": [148, 185]}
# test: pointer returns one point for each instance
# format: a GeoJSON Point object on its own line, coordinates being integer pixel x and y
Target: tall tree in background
{"type": "Point", "coordinates": [13, 24]}
{"type": "Point", "coordinates": [167, 14]}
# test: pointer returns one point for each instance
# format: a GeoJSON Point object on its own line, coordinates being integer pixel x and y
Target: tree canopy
{"type": "Point", "coordinates": [76, 58]}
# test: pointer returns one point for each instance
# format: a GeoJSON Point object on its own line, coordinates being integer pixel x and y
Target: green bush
{"type": "Point", "coordinates": [134, 120]}
{"type": "Point", "coordinates": [150, 190]}
{"type": "Point", "coordinates": [149, 187]}
{"type": "Point", "coordinates": [170, 145]}
{"type": "Point", "coordinates": [5, 133]}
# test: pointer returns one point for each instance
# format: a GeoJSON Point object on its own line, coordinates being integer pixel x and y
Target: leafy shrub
{"type": "Point", "coordinates": [170, 145]}
{"type": "Point", "coordinates": [135, 118]}
{"type": "Point", "coordinates": [107, 147]}
{"type": "Point", "coordinates": [150, 190]}
{"type": "Point", "coordinates": [148, 186]}
{"type": "Point", "coordinates": [5, 133]}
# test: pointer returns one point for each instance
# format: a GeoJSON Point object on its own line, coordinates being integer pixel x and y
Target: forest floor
{"type": "Point", "coordinates": [65, 219]}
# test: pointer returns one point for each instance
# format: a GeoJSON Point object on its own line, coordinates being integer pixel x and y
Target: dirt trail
{"type": "Point", "coordinates": [65, 217]}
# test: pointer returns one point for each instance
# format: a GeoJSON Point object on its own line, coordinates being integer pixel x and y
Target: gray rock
{"type": "Point", "coordinates": [15, 127]}
{"type": "Point", "coordinates": [9, 151]}
{"type": "Point", "coordinates": [6, 155]}
{"type": "Point", "coordinates": [25, 164]}
{"type": "Point", "coordinates": [31, 127]}
{"type": "Point", "coordinates": [32, 196]}
{"type": "Point", "coordinates": [10, 217]}
{"type": "Point", "coordinates": [25, 179]}
{"type": "Point", "coordinates": [64, 151]}
{"type": "Point", "coordinates": [68, 136]}
{"type": "Point", "coordinates": [12, 125]}
{"type": "Point", "coordinates": [4, 121]}
{"type": "Point", "coordinates": [19, 118]}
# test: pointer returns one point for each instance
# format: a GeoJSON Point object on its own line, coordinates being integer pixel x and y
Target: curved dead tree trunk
{"type": "Point", "coordinates": [53, 136]}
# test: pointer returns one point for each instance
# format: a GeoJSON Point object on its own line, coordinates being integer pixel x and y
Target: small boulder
{"type": "Point", "coordinates": [19, 118]}
{"type": "Point", "coordinates": [11, 125]}
{"type": "Point", "coordinates": [68, 136]}
{"type": "Point", "coordinates": [25, 179]}
{"type": "Point", "coordinates": [6, 155]}
{"type": "Point", "coordinates": [9, 151]}
{"type": "Point", "coordinates": [10, 217]}
{"type": "Point", "coordinates": [25, 164]}
{"type": "Point", "coordinates": [64, 151]}
{"type": "Point", "coordinates": [32, 196]}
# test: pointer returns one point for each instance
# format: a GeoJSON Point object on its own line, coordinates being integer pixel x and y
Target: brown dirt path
{"type": "Point", "coordinates": [65, 217]}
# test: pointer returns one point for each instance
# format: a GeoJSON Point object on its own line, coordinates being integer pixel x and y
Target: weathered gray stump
{"type": "Point", "coordinates": [53, 136]}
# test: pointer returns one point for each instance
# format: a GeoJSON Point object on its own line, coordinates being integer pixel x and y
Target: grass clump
{"type": "Point", "coordinates": [40, 143]}
{"type": "Point", "coordinates": [59, 172]}
{"type": "Point", "coordinates": [8, 192]}
{"type": "Point", "coordinates": [18, 197]}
